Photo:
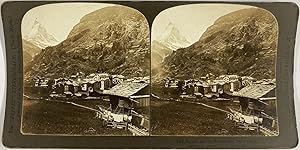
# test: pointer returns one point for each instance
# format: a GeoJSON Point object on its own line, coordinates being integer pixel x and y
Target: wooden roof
{"type": "Point", "coordinates": [126, 89]}
{"type": "Point", "coordinates": [255, 91]}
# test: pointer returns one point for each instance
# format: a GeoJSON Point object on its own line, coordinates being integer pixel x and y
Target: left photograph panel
{"type": "Point", "coordinates": [86, 70]}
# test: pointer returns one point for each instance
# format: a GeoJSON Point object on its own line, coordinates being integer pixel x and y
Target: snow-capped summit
{"type": "Point", "coordinates": [39, 36]}
{"type": "Point", "coordinates": [172, 38]}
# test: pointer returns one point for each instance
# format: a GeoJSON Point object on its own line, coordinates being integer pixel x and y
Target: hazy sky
{"type": "Point", "coordinates": [192, 20]}
{"type": "Point", "coordinates": [58, 19]}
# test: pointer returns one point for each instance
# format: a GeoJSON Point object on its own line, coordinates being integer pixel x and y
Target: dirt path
{"type": "Point", "coordinates": [75, 104]}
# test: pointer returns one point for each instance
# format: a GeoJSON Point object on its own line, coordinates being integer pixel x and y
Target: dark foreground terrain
{"type": "Point", "coordinates": [48, 117]}
{"type": "Point", "coordinates": [182, 118]}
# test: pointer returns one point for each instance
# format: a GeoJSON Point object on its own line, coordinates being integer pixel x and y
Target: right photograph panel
{"type": "Point", "coordinates": [213, 71]}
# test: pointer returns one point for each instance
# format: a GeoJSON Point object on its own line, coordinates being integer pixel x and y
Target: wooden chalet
{"type": "Point", "coordinates": [131, 99]}
{"type": "Point", "coordinates": [68, 88]}
{"type": "Point", "coordinates": [43, 87]}
{"type": "Point", "coordinates": [130, 92]}
{"type": "Point", "coordinates": [198, 90]}
{"type": "Point", "coordinates": [211, 89]}
{"type": "Point", "coordinates": [259, 101]}
{"type": "Point", "coordinates": [117, 79]}
{"type": "Point", "coordinates": [206, 89]}
{"type": "Point", "coordinates": [97, 83]}
{"type": "Point", "coordinates": [232, 86]}
{"type": "Point", "coordinates": [59, 86]}
{"type": "Point", "coordinates": [246, 80]}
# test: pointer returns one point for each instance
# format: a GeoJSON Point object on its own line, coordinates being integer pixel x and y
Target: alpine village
{"type": "Point", "coordinates": [223, 84]}
{"type": "Point", "coordinates": [96, 82]}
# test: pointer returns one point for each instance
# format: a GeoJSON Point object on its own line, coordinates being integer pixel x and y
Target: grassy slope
{"type": "Point", "coordinates": [177, 118]}
{"type": "Point", "coordinates": [45, 117]}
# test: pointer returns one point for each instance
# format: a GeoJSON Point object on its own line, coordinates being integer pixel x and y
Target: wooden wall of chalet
{"type": "Point", "coordinates": [59, 89]}
{"type": "Point", "coordinates": [207, 90]}
{"type": "Point", "coordinates": [69, 88]}
{"type": "Point", "coordinates": [271, 106]}
{"type": "Point", "coordinates": [199, 89]}
{"type": "Point", "coordinates": [226, 87]}
{"type": "Point", "coordinates": [97, 86]}
{"type": "Point", "coordinates": [243, 103]}
{"type": "Point", "coordinates": [119, 102]}
{"type": "Point", "coordinates": [143, 102]}
{"type": "Point", "coordinates": [269, 109]}
{"type": "Point", "coordinates": [114, 101]}
{"type": "Point", "coordinates": [77, 88]}
{"type": "Point", "coordinates": [190, 90]}
{"type": "Point", "coordinates": [253, 105]}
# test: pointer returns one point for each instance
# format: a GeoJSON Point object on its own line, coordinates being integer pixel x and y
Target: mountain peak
{"type": "Point", "coordinates": [172, 38]}
{"type": "Point", "coordinates": [36, 22]}
{"type": "Point", "coordinates": [39, 36]}
{"type": "Point", "coordinates": [171, 28]}
{"type": "Point", "coordinates": [171, 25]}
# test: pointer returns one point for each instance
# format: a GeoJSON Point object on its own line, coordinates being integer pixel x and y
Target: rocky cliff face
{"type": "Point", "coordinates": [243, 42]}
{"type": "Point", "coordinates": [112, 40]}
{"type": "Point", "coordinates": [158, 53]}
{"type": "Point", "coordinates": [29, 51]}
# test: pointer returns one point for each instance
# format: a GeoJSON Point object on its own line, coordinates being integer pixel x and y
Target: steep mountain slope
{"type": "Point", "coordinates": [158, 53]}
{"type": "Point", "coordinates": [243, 42]}
{"type": "Point", "coordinates": [39, 36]}
{"type": "Point", "coordinates": [26, 58]}
{"type": "Point", "coordinates": [29, 51]}
{"type": "Point", "coordinates": [112, 40]}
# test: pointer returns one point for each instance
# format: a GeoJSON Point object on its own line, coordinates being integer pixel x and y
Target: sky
{"type": "Point", "coordinates": [58, 19]}
{"type": "Point", "coordinates": [192, 20]}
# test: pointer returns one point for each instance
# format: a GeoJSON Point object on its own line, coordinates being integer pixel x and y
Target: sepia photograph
{"type": "Point", "coordinates": [213, 71]}
{"type": "Point", "coordinates": [149, 74]}
{"type": "Point", "coordinates": [86, 70]}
